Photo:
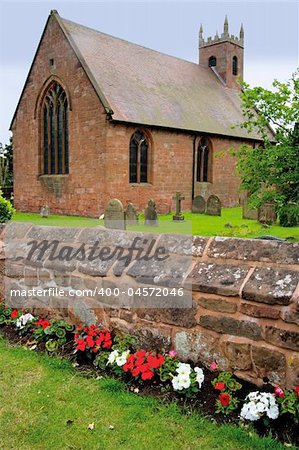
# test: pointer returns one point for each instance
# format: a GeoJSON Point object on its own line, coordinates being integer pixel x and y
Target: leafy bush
{"type": "Point", "coordinates": [54, 333]}
{"type": "Point", "coordinates": [6, 209]}
{"type": "Point", "coordinates": [227, 385]}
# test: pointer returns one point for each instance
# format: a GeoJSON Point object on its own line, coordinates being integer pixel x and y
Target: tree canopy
{"type": "Point", "coordinates": [270, 171]}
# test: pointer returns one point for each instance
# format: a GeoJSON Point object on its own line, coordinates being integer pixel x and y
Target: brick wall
{"type": "Point", "coordinates": [244, 312]}
{"type": "Point", "coordinates": [99, 149]}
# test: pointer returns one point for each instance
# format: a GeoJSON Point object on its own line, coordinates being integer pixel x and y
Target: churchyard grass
{"type": "Point", "coordinates": [202, 225]}
{"type": "Point", "coordinates": [46, 404]}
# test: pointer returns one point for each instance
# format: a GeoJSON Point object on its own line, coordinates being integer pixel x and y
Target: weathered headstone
{"type": "Point", "coordinates": [213, 206]}
{"type": "Point", "coordinates": [178, 208]}
{"type": "Point", "coordinates": [150, 214]}
{"type": "Point", "coordinates": [199, 205]}
{"type": "Point", "coordinates": [45, 211]}
{"type": "Point", "coordinates": [267, 214]}
{"type": "Point", "coordinates": [115, 215]}
{"type": "Point", "coordinates": [248, 212]}
{"type": "Point", "coordinates": [131, 215]}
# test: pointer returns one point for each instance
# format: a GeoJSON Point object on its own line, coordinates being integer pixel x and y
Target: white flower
{"type": "Point", "coordinates": [258, 404]}
{"type": "Point", "coordinates": [199, 376]}
{"type": "Point", "coordinates": [112, 357]}
{"type": "Point", "coordinates": [22, 320]}
{"type": "Point", "coordinates": [122, 359]}
{"type": "Point", "coordinates": [176, 384]}
{"type": "Point", "coordinates": [184, 381]}
{"type": "Point", "coordinates": [183, 369]}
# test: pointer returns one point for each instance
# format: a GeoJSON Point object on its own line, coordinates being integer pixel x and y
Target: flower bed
{"type": "Point", "coordinates": [217, 394]}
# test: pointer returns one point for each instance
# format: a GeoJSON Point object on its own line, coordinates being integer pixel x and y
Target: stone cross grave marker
{"type": "Point", "coordinates": [150, 214]}
{"type": "Point", "coordinates": [131, 215]}
{"type": "Point", "coordinates": [267, 214]}
{"type": "Point", "coordinates": [114, 215]}
{"type": "Point", "coordinates": [199, 205]}
{"type": "Point", "coordinates": [178, 208]}
{"type": "Point", "coordinates": [213, 206]}
{"type": "Point", "coordinates": [45, 211]}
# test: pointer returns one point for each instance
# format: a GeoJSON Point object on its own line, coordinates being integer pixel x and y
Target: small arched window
{"type": "Point", "coordinates": [235, 65]}
{"type": "Point", "coordinates": [55, 132]}
{"type": "Point", "coordinates": [138, 170]}
{"type": "Point", "coordinates": [203, 161]}
{"type": "Point", "coordinates": [212, 61]}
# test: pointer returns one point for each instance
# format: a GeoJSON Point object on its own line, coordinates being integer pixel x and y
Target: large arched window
{"type": "Point", "coordinates": [55, 139]}
{"type": "Point", "coordinates": [203, 172]}
{"type": "Point", "coordinates": [212, 61]}
{"type": "Point", "coordinates": [235, 65]}
{"type": "Point", "coordinates": [138, 158]}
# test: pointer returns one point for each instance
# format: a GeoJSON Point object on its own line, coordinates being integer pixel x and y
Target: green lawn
{"type": "Point", "coordinates": [46, 405]}
{"type": "Point", "coordinates": [197, 224]}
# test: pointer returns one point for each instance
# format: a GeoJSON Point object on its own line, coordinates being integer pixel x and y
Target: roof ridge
{"type": "Point", "coordinates": [132, 43]}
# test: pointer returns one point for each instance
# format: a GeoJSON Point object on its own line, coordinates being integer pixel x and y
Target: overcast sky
{"type": "Point", "coordinates": [271, 35]}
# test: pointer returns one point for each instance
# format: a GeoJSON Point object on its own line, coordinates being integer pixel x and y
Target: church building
{"type": "Point", "coordinates": [102, 118]}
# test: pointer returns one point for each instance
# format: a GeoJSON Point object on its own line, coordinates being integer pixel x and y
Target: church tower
{"type": "Point", "coordinates": [224, 55]}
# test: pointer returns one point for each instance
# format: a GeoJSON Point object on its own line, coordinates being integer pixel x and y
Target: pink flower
{"type": "Point", "coordinates": [172, 353]}
{"type": "Point", "coordinates": [278, 391]}
{"type": "Point", "coordinates": [213, 365]}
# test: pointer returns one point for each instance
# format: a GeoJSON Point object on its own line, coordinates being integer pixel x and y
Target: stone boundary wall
{"type": "Point", "coordinates": [245, 302]}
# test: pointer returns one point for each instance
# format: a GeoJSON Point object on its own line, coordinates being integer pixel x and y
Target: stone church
{"type": "Point", "coordinates": [100, 117]}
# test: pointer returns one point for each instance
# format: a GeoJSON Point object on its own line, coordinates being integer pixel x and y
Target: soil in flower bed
{"type": "Point", "coordinates": [284, 428]}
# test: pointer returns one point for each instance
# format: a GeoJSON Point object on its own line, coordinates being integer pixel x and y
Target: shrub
{"type": "Point", "coordinates": [6, 209]}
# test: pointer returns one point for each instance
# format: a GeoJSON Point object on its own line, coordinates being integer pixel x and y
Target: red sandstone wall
{"type": "Point", "coordinates": [245, 309]}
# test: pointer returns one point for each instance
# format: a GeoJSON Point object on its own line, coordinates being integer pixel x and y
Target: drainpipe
{"type": "Point", "coordinates": [193, 166]}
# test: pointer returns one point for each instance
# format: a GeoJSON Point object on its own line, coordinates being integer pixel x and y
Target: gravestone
{"type": "Point", "coordinates": [150, 214]}
{"type": "Point", "coordinates": [199, 205]}
{"type": "Point", "coordinates": [267, 214]}
{"type": "Point", "coordinates": [213, 206]}
{"type": "Point", "coordinates": [45, 211]}
{"type": "Point", "coordinates": [131, 215]}
{"type": "Point", "coordinates": [248, 212]}
{"type": "Point", "coordinates": [114, 215]}
{"type": "Point", "coordinates": [178, 208]}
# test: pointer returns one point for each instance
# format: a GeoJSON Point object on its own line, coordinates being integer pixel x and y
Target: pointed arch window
{"type": "Point", "coordinates": [235, 65]}
{"type": "Point", "coordinates": [55, 131]}
{"type": "Point", "coordinates": [203, 170]}
{"type": "Point", "coordinates": [212, 61]}
{"type": "Point", "coordinates": [138, 170]}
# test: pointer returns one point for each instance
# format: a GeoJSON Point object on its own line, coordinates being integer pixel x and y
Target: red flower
{"type": "Point", "coordinates": [155, 361]}
{"type": "Point", "coordinates": [43, 322]}
{"type": "Point", "coordinates": [14, 314]}
{"type": "Point", "coordinates": [219, 386]}
{"type": "Point", "coordinates": [278, 391]}
{"type": "Point", "coordinates": [224, 399]}
{"type": "Point", "coordinates": [107, 344]}
{"type": "Point", "coordinates": [89, 341]}
{"type": "Point", "coordinates": [141, 354]}
{"type": "Point", "coordinates": [297, 390]}
{"type": "Point", "coordinates": [147, 375]}
{"type": "Point", "coordinates": [136, 371]}
{"type": "Point", "coordinates": [80, 345]}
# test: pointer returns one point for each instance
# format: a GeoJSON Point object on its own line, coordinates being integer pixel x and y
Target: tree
{"type": "Point", "coordinates": [6, 165]}
{"type": "Point", "coordinates": [270, 172]}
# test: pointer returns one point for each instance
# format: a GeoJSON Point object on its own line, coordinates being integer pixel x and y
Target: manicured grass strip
{"type": "Point", "coordinates": [197, 224]}
{"type": "Point", "coordinates": [46, 405]}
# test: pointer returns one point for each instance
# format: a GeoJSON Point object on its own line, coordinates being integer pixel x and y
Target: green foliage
{"type": "Point", "coordinates": [289, 403]}
{"type": "Point", "coordinates": [271, 172]}
{"type": "Point", "coordinates": [123, 343]}
{"type": "Point", "coordinates": [5, 313]}
{"type": "Point", "coordinates": [6, 209]}
{"type": "Point", "coordinates": [227, 385]}
{"type": "Point", "coordinates": [55, 335]}
{"type": "Point", "coordinates": [167, 369]}
{"type": "Point", "coordinates": [6, 164]}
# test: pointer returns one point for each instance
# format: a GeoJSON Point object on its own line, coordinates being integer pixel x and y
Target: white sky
{"type": "Point", "coordinates": [271, 35]}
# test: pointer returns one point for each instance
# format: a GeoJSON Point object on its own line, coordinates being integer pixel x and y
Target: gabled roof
{"type": "Point", "coordinates": [142, 86]}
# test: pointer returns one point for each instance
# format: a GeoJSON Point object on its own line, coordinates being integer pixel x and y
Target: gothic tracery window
{"type": "Point", "coordinates": [203, 161]}
{"type": "Point", "coordinates": [55, 133]}
{"type": "Point", "coordinates": [138, 158]}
